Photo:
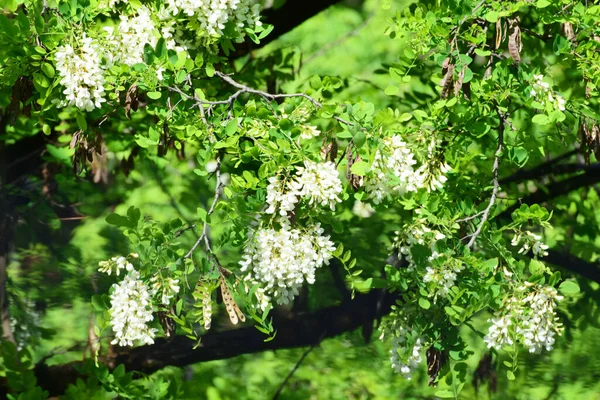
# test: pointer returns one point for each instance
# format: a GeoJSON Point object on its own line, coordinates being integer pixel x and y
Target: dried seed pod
{"type": "Point", "coordinates": [167, 324]}
{"type": "Point", "coordinates": [131, 100]}
{"type": "Point", "coordinates": [329, 149]}
{"type": "Point", "coordinates": [514, 39]}
{"type": "Point", "coordinates": [499, 33]}
{"type": "Point", "coordinates": [355, 181]}
{"type": "Point", "coordinates": [436, 360]}
{"type": "Point", "coordinates": [448, 79]}
{"type": "Point", "coordinates": [569, 32]}
{"type": "Point", "coordinates": [206, 309]}
{"type": "Point", "coordinates": [459, 82]}
{"type": "Point", "coordinates": [234, 312]}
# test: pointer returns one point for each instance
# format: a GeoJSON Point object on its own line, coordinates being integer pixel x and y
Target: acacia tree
{"type": "Point", "coordinates": [418, 218]}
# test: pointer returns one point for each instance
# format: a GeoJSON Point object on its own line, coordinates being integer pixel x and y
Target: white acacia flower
{"type": "Point", "coordinates": [405, 360]}
{"type": "Point", "coordinates": [392, 172]}
{"type": "Point", "coordinates": [530, 319]}
{"type": "Point", "coordinates": [214, 15]}
{"type": "Point", "coordinates": [530, 241]}
{"type": "Point", "coordinates": [167, 288]}
{"type": "Point", "coordinates": [543, 93]}
{"type": "Point", "coordinates": [309, 131]}
{"type": "Point", "coordinates": [362, 210]}
{"type": "Point", "coordinates": [280, 197]}
{"type": "Point", "coordinates": [118, 263]}
{"type": "Point", "coordinates": [81, 74]}
{"type": "Point", "coordinates": [126, 43]}
{"type": "Point", "coordinates": [319, 182]}
{"type": "Point", "coordinates": [282, 260]}
{"type": "Point", "coordinates": [131, 310]}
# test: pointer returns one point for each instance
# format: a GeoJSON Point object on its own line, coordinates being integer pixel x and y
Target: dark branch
{"type": "Point", "coordinates": [306, 329]}
{"type": "Point", "coordinates": [557, 189]}
{"type": "Point", "coordinates": [575, 264]}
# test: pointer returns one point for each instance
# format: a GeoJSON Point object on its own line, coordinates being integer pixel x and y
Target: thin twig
{"type": "Point", "coordinates": [246, 89]}
{"type": "Point", "coordinates": [204, 234]}
{"type": "Point", "coordinates": [287, 378]}
{"type": "Point", "coordinates": [495, 169]}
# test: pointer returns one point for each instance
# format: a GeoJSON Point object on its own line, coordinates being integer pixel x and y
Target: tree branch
{"type": "Point", "coordinates": [496, 166]}
{"type": "Point", "coordinates": [304, 329]}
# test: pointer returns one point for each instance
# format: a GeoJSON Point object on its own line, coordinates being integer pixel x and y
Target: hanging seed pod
{"type": "Point", "coordinates": [499, 33]}
{"type": "Point", "coordinates": [514, 39]}
{"type": "Point", "coordinates": [435, 362]}
{"type": "Point", "coordinates": [235, 314]}
{"type": "Point", "coordinates": [569, 32]}
{"type": "Point", "coordinates": [448, 79]}
{"type": "Point", "coordinates": [355, 181]}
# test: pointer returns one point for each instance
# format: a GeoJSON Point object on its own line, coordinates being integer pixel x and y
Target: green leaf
{"type": "Point", "coordinates": [48, 70]}
{"type": "Point", "coordinates": [98, 303]}
{"type": "Point", "coordinates": [444, 394]}
{"type": "Point", "coordinates": [491, 16]}
{"type": "Point", "coordinates": [540, 119]}
{"type": "Point", "coordinates": [569, 288]}
{"type": "Point", "coordinates": [510, 375]}
{"type": "Point", "coordinates": [360, 168]}
{"type": "Point", "coordinates": [210, 70]}
{"type": "Point", "coordinates": [542, 3]}
{"type": "Point", "coordinates": [118, 220]}
{"type": "Point", "coordinates": [392, 90]}
{"type": "Point", "coordinates": [154, 95]}
{"type": "Point", "coordinates": [424, 303]}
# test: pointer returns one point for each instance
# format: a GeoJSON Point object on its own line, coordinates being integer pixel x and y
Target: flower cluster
{"type": "Point", "coordinates": [116, 263]}
{"type": "Point", "coordinates": [441, 274]}
{"type": "Point", "coordinates": [530, 241]}
{"type": "Point", "coordinates": [393, 171]}
{"type": "Point", "coordinates": [213, 15]}
{"type": "Point", "coordinates": [362, 210]}
{"type": "Point", "coordinates": [529, 319]}
{"type": "Point", "coordinates": [131, 310]}
{"type": "Point", "coordinates": [319, 182]}
{"type": "Point", "coordinates": [167, 288]}
{"type": "Point", "coordinates": [416, 233]}
{"type": "Point", "coordinates": [432, 174]}
{"type": "Point", "coordinates": [126, 44]}
{"type": "Point", "coordinates": [542, 91]}
{"type": "Point", "coordinates": [411, 359]}
{"type": "Point", "coordinates": [81, 74]}
{"type": "Point", "coordinates": [282, 260]}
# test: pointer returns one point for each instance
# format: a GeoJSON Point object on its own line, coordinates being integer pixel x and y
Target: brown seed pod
{"type": "Point", "coordinates": [514, 39]}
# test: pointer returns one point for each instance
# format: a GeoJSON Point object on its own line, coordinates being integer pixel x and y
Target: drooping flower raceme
{"type": "Point", "coordinates": [126, 43]}
{"type": "Point", "coordinates": [167, 288]}
{"type": "Point", "coordinates": [319, 182]}
{"type": "Point", "coordinates": [529, 319]}
{"type": "Point", "coordinates": [81, 74]}
{"type": "Point", "coordinates": [530, 241]}
{"type": "Point", "coordinates": [393, 171]}
{"type": "Point", "coordinates": [416, 233]}
{"type": "Point", "coordinates": [280, 197]}
{"type": "Point", "coordinates": [280, 261]}
{"type": "Point", "coordinates": [131, 310]}
{"type": "Point", "coordinates": [214, 15]}
{"type": "Point", "coordinates": [442, 273]}
{"type": "Point", "coordinates": [405, 360]}
{"type": "Point", "coordinates": [542, 91]}
{"type": "Point", "coordinates": [118, 263]}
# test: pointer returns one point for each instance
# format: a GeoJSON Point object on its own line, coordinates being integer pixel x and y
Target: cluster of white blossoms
{"type": "Point", "coordinates": [393, 172]}
{"type": "Point", "coordinates": [432, 175]}
{"type": "Point", "coordinates": [411, 359]}
{"type": "Point", "coordinates": [318, 182]}
{"type": "Point", "coordinates": [214, 15]}
{"type": "Point", "coordinates": [530, 320]}
{"type": "Point", "coordinates": [131, 310]}
{"type": "Point", "coordinates": [116, 263]}
{"type": "Point", "coordinates": [280, 261]}
{"type": "Point", "coordinates": [362, 210]}
{"type": "Point", "coordinates": [126, 43]}
{"type": "Point", "coordinates": [544, 94]}
{"type": "Point", "coordinates": [167, 288]}
{"type": "Point", "coordinates": [441, 274]}
{"type": "Point", "coordinates": [530, 241]}
{"type": "Point", "coordinates": [416, 233]}
{"type": "Point", "coordinates": [81, 74]}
